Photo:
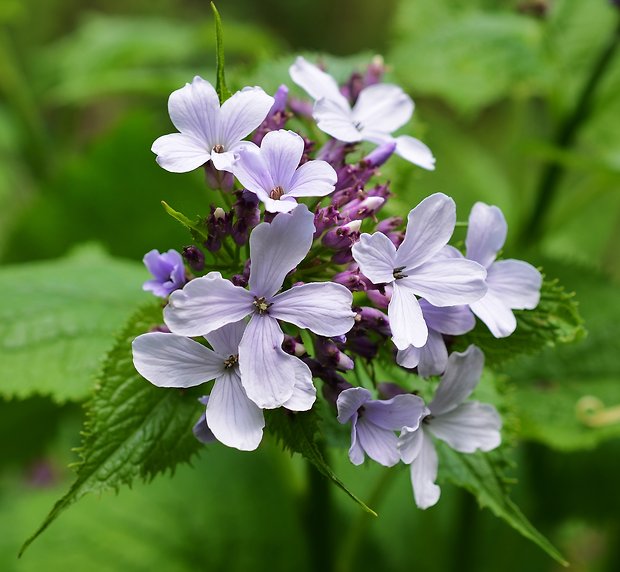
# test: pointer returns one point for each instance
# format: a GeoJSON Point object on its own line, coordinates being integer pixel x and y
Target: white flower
{"type": "Point", "coordinates": [380, 110]}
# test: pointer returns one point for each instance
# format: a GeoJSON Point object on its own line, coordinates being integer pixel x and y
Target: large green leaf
{"type": "Point", "coordinates": [482, 475]}
{"type": "Point", "coordinates": [133, 429]}
{"type": "Point", "coordinates": [58, 319]}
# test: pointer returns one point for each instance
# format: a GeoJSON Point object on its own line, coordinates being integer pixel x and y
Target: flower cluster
{"type": "Point", "coordinates": [295, 279]}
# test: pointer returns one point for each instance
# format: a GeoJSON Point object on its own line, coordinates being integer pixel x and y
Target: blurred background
{"type": "Point", "coordinates": [519, 101]}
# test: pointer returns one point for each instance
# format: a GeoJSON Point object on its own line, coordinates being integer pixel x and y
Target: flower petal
{"type": "Point", "coordinates": [336, 120]}
{"type": "Point", "coordinates": [486, 233]}
{"type": "Point", "coordinates": [282, 151]}
{"type": "Point", "coordinates": [234, 419]}
{"type": "Point", "coordinates": [313, 179]}
{"type": "Point", "coordinates": [379, 444]}
{"type": "Point", "coordinates": [452, 320]}
{"type": "Point", "coordinates": [410, 443]}
{"type": "Point", "coordinates": [497, 316]}
{"type": "Point", "coordinates": [179, 153]}
{"type": "Point", "coordinates": [201, 430]}
{"type": "Point", "coordinates": [409, 357]}
{"type": "Point", "coordinates": [376, 256]}
{"type": "Point", "coordinates": [223, 161]}
{"type": "Point", "coordinates": [414, 151]}
{"type": "Point", "coordinates": [322, 307]}
{"type": "Point", "coordinates": [243, 112]}
{"type": "Point", "coordinates": [406, 319]}
{"type": "Point", "coordinates": [349, 401]}
{"type": "Point", "coordinates": [470, 427]}
{"type": "Point", "coordinates": [356, 453]}
{"type": "Point", "coordinates": [460, 379]}
{"type": "Point", "coordinates": [382, 107]}
{"type": "Point", "coordinates": [424, 474]}
{"type": "Point", "coordinates": [225, 340]}
{"type": "Point", "coordinates": [195, 109]}
{"type": "Point", "coordinates": [206, 304]}
{"type": "Point", "coordinates": [429, 227]}
{"type": "Point", "coordinates": [267, 373]}
{"type": "Point", "coordinates": [517, 283]}
{"type": "Point", "coordinates": [252, 171]}
{"type": "Point", "coordinates": [168, 360]}
{"type": "Point", "coordinates": [304, 392]}
{"type": "Point", "coordinates": [433, 356]}
{"type": "Point", "coordinates": [404, 410]}
{"type": "Point", "coordinates": [314, 81]}
{"type": "Point", "coordinates": [448, 281]}
{"type": "Point", "coordinates": [278, 247]}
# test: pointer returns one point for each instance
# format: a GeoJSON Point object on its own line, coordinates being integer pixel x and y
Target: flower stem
{"type": "Point", "coordinates": [553, 171]}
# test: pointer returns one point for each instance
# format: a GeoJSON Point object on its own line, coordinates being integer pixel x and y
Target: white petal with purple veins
{"type": "Point", "coordinates": [414, 151]}
{"type": "Point", "coordinates": [313, 179]}
{"type": "Point", "coordinates": [180, 153]}
{"type": "Point", "coordinates": [429, 227]}
{"type": "Point", "coordinates": [225, 340]}
{"type": "Point", "coordinates": [406, 320]}
{"type": "Point", "coordinates": [393, 414]}
{"type": "Point", "coordinates": [349, 401]}
{"type": "Point", "coordinates": [277, 248]}
{"type": "Point", "coordinates": [336, 120]}
{"type": "Point", "coordinates": [304, 392]}
{"type": "Point", "coordinates": [379, 444]}
{"type": "Point", "coordinates": [470, 427]}
{"type": "Point", "coordinates": [452, 320]}
{"type": "Point", "coordinates": [206, 304]}
{"type": "Point", "coordinates": [242, 113]}
{"type": "Point", "coordinates": [409, 357]}
{"type": "Point", "coordinates": [252, 171]}
{"type": "Point", "coordinates": [194, 110]}
{"type": "Point", "coordinates": [315, 81]}
{"type": "Point", "coordinates": [497, 316]}
{"type": "Point", "coordinates": [433, 356]}
{"type": "Point", "coordinates": [424, 474]}
{"type": "Point", "coordinates": [282, 151]}
{"type": "Point", "coordinates": [267, 373]}
{"type": "Point", "coordinates": [168, 360]}
{"type": "Point", "coordinates": [486, 233]}
{"type": "Point", "coordinates": [322, 307]}
{"type": "Point", "coordinates": [356, 452]}
{"type": "Point", "coordinates": [517, 283]}
{"type": "Point", "coordinates": [382, 107]}
{"type": "Point", "coordinates": [376, 256]}
{"type": "Point", "coordinates": [460, 379]}
{"type": "Point", "coordinates": [233, 418]}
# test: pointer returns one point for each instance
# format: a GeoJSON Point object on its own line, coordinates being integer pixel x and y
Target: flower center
{"type": "Point", "coordinates": [276, 193]}
{"type": "Point", "coordinates": [398, 273]}
{"type": "Point", "coordinates": [231, 361]}
{"type": "Point", "coordinates": [358, 125]}
{"type": "Point", "coordinates": [218, 148]}
{"type": "Point", "coordinates": [426, 420]}
{"type": "Point", "coordinates": [261, 305]}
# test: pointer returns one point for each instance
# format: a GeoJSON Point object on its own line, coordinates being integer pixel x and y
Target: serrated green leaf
{"type": "Point", "coordinates": [556, 320]}
{"type": "Point", "coordinates": [222, 91]}
{"type": "Point", "coordinates": [58, 319]}
{"type": "Point", "coordinates": [297, 432]}
{"type": "Point", "coordinates": [133, 430]}
{"type": "Point", "coordinates": [481, 474]}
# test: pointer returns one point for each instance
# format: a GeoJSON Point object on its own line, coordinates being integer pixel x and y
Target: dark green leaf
{"type": "Point", "coordinates": [481, 474]}
{"type": "Point", "coordinates": [58, 319]}
{"type": "Point", "coordinates": [222, 91]}
{"type": "Point", "coordinates": [133, 430]}
{"type": "Point", "coordinates": [297, 432]}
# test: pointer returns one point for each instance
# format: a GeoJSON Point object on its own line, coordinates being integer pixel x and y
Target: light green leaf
{"type": "Point", "coordinates": [133, 430]}
{"type": "Point", "coordinates": [222, 91]}
{"type": "Point", "coordinates": [198, 234]}
{"type": "Point", "coordinates": [481, 474]}
{"type": "Point", "coordinates": [58, 319]}
{"type": "Point", "coordinates": [297, 432]}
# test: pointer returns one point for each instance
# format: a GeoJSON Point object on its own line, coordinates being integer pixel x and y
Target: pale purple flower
{"type": "Point", "coordinates": [170, 360]}
{"type": "Point", "coordinates": [416, 268]}
{"type": "Point", "coordinates": [273, 173]}
{"type": "Point", "coordinates": [201, 430]}
{"type": "Point", "coordinates": [205, 304]}
{"type": "Point", "coordinates": [373, 423]}
{"type": "Point", "coordinates": [466, 427]}
{"type": "Point", "coordinates": [432, 358]}
{"type": "Point", "coordinates": [208, 131]}
{"type": "Point", "coordinates": [380, 110]}
{"type": "Point", "coordinates": [168, 272]}
{"type": "Point", "coordinates": [512, 284]}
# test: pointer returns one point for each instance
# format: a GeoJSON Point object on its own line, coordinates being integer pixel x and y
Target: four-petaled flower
{"type": "Point", "coordinates": [205, 304]}
{"type": "Point", "coordinates": [373, 423]}
{"type": "Point", "coordinates": [168, 272]}
{"type": "Point", "coordinates": [466, 427]}
{"type": "Point", "coordinates": [273, 173]}
{"type": "Point", "coordinates": [208, 131]}
{"type": "Point", "coordinates": [380, 110]}
{"type": "Point", "coordinates": [416, 268]}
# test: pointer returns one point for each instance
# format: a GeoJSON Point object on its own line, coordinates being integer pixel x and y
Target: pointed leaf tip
{"type": "Point", "coordinates": [220, 86]}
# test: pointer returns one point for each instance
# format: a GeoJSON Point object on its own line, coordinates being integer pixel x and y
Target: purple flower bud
{"type": "Point", "coordinates": [351, 89]}
{"type": "Point", "coordinates": [372, 319]}
{"type": "Point", "coordinates": [247, 216]}
{"type": "Point", "coordinates": [387, 390]}
{"type": "Point", "coordinates": [168, 272]}
{"type": "Point", "coordinates": [342, 257]}
{"type": "Point", "coordinates": [380, 191]}
{"type": "Point", "coordinates": [335, 152]}
{"type": "Point", "coordinates": [375, 71]}
{"type": "Point", "coordinates": [160, 328]}
{"type": "Point", "coordinates": [243, 278]}
{"type": "Point", "coordinates": [330, 356]}
{"type": "Point", "coordinates": [333, 388]}
{"type": "Point", "coordinates": [389, 224]}
{"type": "Point", "coordinates": [324, 218]}
{"type": "Point", "coordinates": [380, 155]}
{"type": "Point", "coordinates": [350, 279]}
{"type": "Point", "coordinates": [194, 257]}
{"type": "Point", "coordinates": [218, 179]}
{"type": "Point", "coordinates": [361, 209]}
{"type": "Point", "coordinates": [344, 236]}
{"type": "Point", "coordinates": [277, 116]}
{"type": "Point", "coordinates": [218, 225]}
{"type": "Point", "coordinates": [293, 347]}
{"type": "Point", "coordinates": [380, 297]}
{"type": "Point", "coordinates": [362, 345]}
{"type": "Point", "coordinates": [301, 107]}
{"type": "Point", "coordinates": [339, 339]}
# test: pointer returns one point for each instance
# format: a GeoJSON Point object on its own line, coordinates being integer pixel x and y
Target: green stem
{"type": "Point", "coordinates": [553, 172]}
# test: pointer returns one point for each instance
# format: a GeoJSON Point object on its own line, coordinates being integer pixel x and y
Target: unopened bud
{"type": "Point", "coordinates": [380, 155]}
{"type": "Point", "coordinates": [194, 257]}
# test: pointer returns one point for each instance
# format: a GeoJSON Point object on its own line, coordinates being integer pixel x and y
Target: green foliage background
{"type": "Point", "coordinates": [83, 95]}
